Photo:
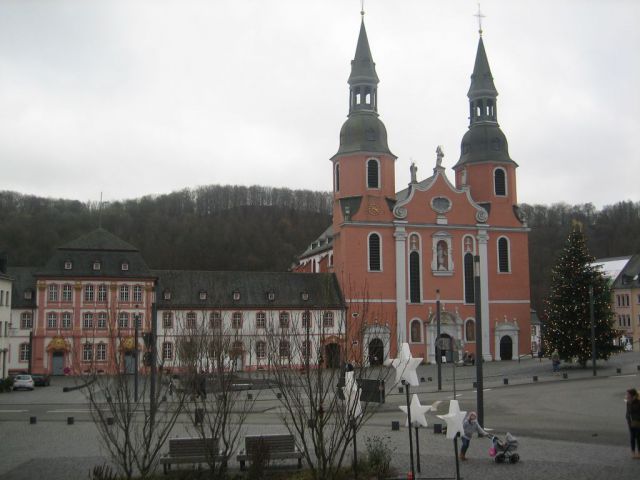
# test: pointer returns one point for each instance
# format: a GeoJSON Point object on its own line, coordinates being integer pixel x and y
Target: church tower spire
{"type": "Point", "coordinates": [363, 81]}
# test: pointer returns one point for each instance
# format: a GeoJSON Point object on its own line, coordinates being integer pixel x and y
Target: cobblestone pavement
{"type": "Point", "coordinates": [568, 428]}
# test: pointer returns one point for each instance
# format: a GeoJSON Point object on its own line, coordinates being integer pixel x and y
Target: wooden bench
{"type": "Point", "coordinates": [190, 450]}
{"type": "Point", "coordinates": [277, 447]}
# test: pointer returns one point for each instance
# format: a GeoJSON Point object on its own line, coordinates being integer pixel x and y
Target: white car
{"type": "Point", "coordinates": [23, 381]}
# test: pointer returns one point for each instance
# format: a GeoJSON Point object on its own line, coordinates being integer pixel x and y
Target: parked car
{"type": "Point", "coordinates": [23, 382]}
{"type": "Point", "coordinates": [43, 380]}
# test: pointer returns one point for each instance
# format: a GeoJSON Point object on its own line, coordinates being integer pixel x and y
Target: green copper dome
{"type": "Point", "coordinates": [363, 132]}
{"type": "Point", "coordinates": [483, 143]}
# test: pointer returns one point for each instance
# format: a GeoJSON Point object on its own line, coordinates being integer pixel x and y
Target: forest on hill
{"type": "Point", "coordinates": [263, 229]}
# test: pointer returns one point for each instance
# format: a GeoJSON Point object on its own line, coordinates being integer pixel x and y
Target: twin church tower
{"type": "Point", "coordinates": [395, 254]}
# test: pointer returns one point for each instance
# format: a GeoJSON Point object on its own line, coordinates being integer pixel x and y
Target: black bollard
{"type": "Point", "coordinates": [535, 378]}
{"type": "Point", "coordinates": [505, 381]}
{"type": "Point", "coordinates": [395, 425]}
{"type": "Point", "coordinates": [33, 420]}
{"type": "Point", "coordinates": [69, 420]}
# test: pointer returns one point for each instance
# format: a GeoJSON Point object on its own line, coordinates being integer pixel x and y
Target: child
{"type": "Point", "coordinates": [470, 425]}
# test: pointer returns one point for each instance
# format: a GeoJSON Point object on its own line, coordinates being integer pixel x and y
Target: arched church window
{"type": "Point", "coordinates": [373, 173]}
{"type": "Point", "coordinates": [375, 260]}
{"type": "Point", "coordinates": [499, 182]}
{"type": "Point", "coordinates": [337, 178]}
{"type": "Point", "coordinates": [416, 331]}
{"type": "Point", "coordinates": [470, 330]}
{"type": "Point", "coordinates": [503, 255]}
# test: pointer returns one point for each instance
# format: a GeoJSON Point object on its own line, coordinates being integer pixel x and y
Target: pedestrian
{"type": "Point", "coordinates": [470, 425]}
{"type": "Point", "coordinates": [633, 421]}
{"type": "Point", "coordinates": [555, 361]}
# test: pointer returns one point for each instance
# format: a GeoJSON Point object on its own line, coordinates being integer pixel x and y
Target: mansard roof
{"type": "Point", "coordinates": [629, 277]}
{"type": "Point", "coordinates": [321, 244]}
{"type": "Point", "coordinates": [253, 288]}
{"type": "Point", "coordinates": [23, 280]}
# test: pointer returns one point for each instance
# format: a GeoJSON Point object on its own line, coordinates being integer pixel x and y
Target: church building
{"type": "Point", "coordinates": [398, 256]}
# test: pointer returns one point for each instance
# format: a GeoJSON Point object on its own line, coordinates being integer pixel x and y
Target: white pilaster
{"type": "Point", "coordinates": [483, 239]}
{"type": "Point", "coordinates": [400, 235]}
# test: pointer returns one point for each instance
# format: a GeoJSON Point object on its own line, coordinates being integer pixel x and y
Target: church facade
{"type": "Point", "coordinates": [404, 259]}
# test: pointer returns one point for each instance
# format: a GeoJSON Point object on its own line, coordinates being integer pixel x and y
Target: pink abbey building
{"type": "Point", "coordinates": [392, 251]}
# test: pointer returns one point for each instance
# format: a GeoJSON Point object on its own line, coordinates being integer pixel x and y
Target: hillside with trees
{"type": "Point", "coordinates": [258, 228]}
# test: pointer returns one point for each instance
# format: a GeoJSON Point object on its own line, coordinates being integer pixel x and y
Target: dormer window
{"type": "Point", "coordinates": [68, 265]}
{"type": "Point", "coordinates": [304, 296]}
{"type": "Point", "coordinates": [28, 294]}
{"type": "Point", "coordinates": [236, 296]}
{"type": "Point", "coordinates": [97, 265]}
{"type": "Point", "coordinates": [202, 295]}
{"type": "Point", "coordinates": [271, 296]}
{"type": "Point", "coordinates": [166, 295]}
{"type": "Point", "coordinates": [124, 266]}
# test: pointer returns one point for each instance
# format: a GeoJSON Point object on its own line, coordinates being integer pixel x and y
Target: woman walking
{"type": "Point", "coordinates": [470, 425]}
{"type": "Point", "coordinates": [633, 420]}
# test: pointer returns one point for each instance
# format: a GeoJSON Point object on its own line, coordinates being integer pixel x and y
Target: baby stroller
{"type": "Point", "coordinates": [503, 451]}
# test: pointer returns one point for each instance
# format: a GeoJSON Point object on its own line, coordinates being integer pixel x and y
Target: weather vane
{"type": "Point", "coordinates": [480, 17]}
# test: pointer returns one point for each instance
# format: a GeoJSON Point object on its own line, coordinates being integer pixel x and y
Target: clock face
{"type": "Point", "coordinates": [374, 209]}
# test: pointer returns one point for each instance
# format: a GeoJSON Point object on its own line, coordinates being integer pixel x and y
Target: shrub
{"type": "Point", "coordinates": [379, 455]}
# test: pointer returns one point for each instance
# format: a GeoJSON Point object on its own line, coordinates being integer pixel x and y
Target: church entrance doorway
{"type": "Point", "coordinates": [332, 353]}
{"type": "Point", "coordinates": [376, 352]}
{"type": "Point", "coordinates": [506, 348]}
{"type": "Point", "coordinates": [57, 363]}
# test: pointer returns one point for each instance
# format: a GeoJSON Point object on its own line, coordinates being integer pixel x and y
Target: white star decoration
{"type": "Point", "coordinates": [405, 366]}
{"type": "Point", "coordinates": [352, 396]}
{"type": "Point", "coordinates": [454, 419]}
{"type": "Point", "coordinates": [418, 412]}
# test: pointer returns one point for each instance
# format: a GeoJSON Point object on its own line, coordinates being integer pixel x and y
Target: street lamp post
{"type": "Point", "coordinates": [436, 343]}
{"type": "Point", "coordinates": [136, 319]}
{"type": "Point", "coordinates": [479, 357]}
{"type": "Point", "coordinates": [593, 330]}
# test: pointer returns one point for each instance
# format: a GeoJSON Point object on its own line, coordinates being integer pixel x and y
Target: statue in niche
{"type": "Point", "coordinates": [414, 242]}
{"type": "Point", "coordinates": [442, 256]}
{"type": "Point", "coordinates": [467, 245]}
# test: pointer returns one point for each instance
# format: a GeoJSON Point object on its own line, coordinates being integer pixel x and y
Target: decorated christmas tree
{"type": "Point", "coordinates": [568, 324]}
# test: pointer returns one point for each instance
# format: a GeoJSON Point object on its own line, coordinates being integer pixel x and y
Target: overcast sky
{"type": "Point", "coordinates": [134, 97]}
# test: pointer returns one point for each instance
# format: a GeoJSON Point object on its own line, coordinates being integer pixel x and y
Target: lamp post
{"type": "Point", "coordinates": [479, 358]}
{"type": "Point", "coordinates": [406, 388]}
{"type": "Point", "coordinates": [437, 349]}
{"type": "Point", "coordinates": [593, 330]}
{"type": "Point", "coordinates": [136, 319]}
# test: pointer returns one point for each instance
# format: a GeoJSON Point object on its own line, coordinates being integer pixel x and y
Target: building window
{"type": "Point", "coordinates": [261, 350]}
{"type": "Point", "coordinates": [66, 293]}
{"type": "Point", "coordinates": [414, 277]}
{"type": "Point", "coordinates": [52, 320]}
{"type": "Point", "coordinates": [284, 349]}
{"type": "Point", "coordinates": [97, 265]}
{"type": "Point", "coordinates": [102, 293]}
{"type": "Point", "coordinates": [470, 331]}
{"type": "Point", "coordinates": [167, 351]}
{"type": "Point", "coordinates": [25, 352]}
{"type": "Point", "coordinates": [373, 173]}
{"type": "Point", "coordinates": [68, 265]}
{"type": "Point", "coordinates": [124, 293]}
{"type": "Point", "coordinates": [166, 295]}
{"type": "Point", "coordinates": [215, 320]}
{"type": "Point", "coordinates": [88, 293]}
{"type": "Point", "coordinates": [306, 320]}
{"type": "Point", "coordinates": [138, 320]}
{"type": "Point", "coordinates": [305, 295]}
{"type": "Point", "coordinates": [53, 293]}
{"type": "Point", "coordinates": [375, 263]}
{"type": "Point", "coordinates": [500, 182]}
{"type": "Point", "coordinates": [28, 294]}
{"type": "Point", "coordinates": [306, 350]}
{"type": "Point", "coordinates": [327, 319]}
{"type": "Point", "coordinates": [337, 178]}
{"type": "Point", "coordinates": [503, 255]}
{"type": "Point", "coordinates": [202, 295]}
{"type": "Point", "coordinates": [87, 320]}
{"type": "Point", "coordinates": [87, 352]}
{"type": "Point", "coordinates": [26, 320]}
{"type": "Point", "coordinates": [137, 293]}
{"type": "Point", "coordinates": [66, 320]}
{"type": "Point", "coordinates": [102, 320]}
{"type": "Point", "coordinates": [416, 331]}
{"type": "Point", "coordinates": [237, 348]}
{"type": "Point", "coordinates": [236, 320]}
{"type": "Point", "coordinates": [284, 319]}
{"type": "Point", "coordinates": [167, 320]}
{"type": "Point", "coordinates": [261, 320]}
{"type": "Point", "coordinates": [191, 320]}
{"type": "Point", "coordinates": [123, 320]}
{"type": "Point", "coordinates": [469, 285]}
{"type": "Point", "coordinates": [101, 352]}
{"type": "Point", "coordinates": [236, 296]}
{"type": "Point", "coordinates": [271, 296]}
{"type": "Point", "coordinates": [124, 266]}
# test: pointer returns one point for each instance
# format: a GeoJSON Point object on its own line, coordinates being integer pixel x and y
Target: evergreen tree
{"type": "Point", "coordinates": [568, 324]}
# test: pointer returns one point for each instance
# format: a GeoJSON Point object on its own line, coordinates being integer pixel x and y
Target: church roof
{"type": "Point", "coordinates": [481, 78]}
{"type": "Point", "coordinates": [363, 68]}
{"type": "Point", "coordinates": [99, 239]}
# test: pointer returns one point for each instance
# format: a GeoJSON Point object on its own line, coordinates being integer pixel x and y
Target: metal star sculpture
{"type": "Point", "coordinates": [352, 395]}
{"type": "Point", "coordinates": [418, 412]}
{"type": "Point", "coordinates": [454, 419]}
{"type": "Point", "coordinates": [405, 366]}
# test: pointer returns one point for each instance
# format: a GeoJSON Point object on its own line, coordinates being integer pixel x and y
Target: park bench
{"type": "Point", "coordinates": [274, 447]}
{"type": "Point", "coordinates": [190, 451]}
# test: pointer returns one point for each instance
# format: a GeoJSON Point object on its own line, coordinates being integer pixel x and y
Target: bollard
{"type": "Point", "coordinates": [475, 384]}
{"type": "Point", "coordinates": [278, 395]}
{"type": "Point", "coordinates": [431, 379]}
{"type": "Point", "coordinates": [618, 371]}
{"type": "Point", "coordinates": [199, 416]}
{"type": "Point", "coordinates": [400, 390]}
{"type": "Point", "coordinates": [33, 420]}
{"type": "Point", "coordinates": [437, 428]}
{"type": "Point", "coordinates": [109, 420]}
{"type": "Point", "coordinates": [421, 379]}
{"type": "Point", "coordinates": [535, 378]}
{"type": "Point", "coordinates": [638, 367]}
{"type": "Point", "coordinates": [69, 420]}
{"type": "Point", "coordinates": [249, 396]}
{"type": "Point", "coordinates": [505, 381]}
{"type": "Point", "coordinates": [395, 425]}
{"type": "Point", "coordinates": [565, 375]}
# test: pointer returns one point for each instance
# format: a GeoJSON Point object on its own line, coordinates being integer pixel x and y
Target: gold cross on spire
{"type": "Point", "coordinates": [480, 17]}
